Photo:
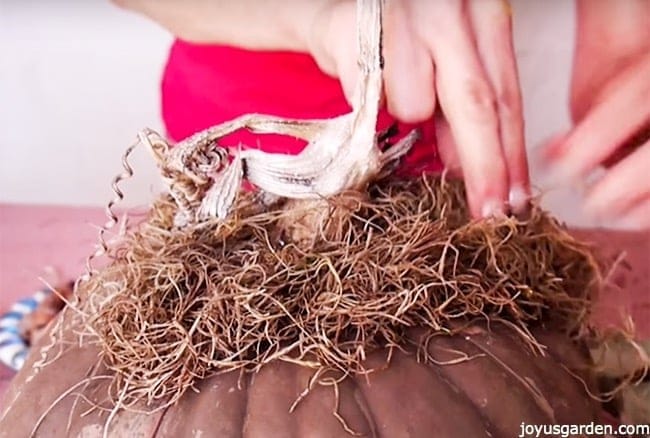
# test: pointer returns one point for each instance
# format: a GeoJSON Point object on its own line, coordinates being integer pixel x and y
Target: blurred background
{"type": "Point", "coordinates": [78, 80]}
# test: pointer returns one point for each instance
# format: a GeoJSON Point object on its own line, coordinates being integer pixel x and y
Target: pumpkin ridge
{"type": "Point", "coordinates": [364, 407]}
{"type": "Point", "coordinates": [159, 423]}
{"type": "Point", "coordinates": [529, 386]}
{"type": "Point", "coordinates": [554, 388]}
{"type": "Point", "coordinates": [439, 371]}
{"type": "Point", "coordinates": [510, 390]}
{"type": "Point", "coordinates": [246, 416]}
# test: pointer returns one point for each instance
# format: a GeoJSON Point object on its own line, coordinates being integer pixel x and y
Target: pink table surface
{"type": "Point", "coordinates": [33, 238]}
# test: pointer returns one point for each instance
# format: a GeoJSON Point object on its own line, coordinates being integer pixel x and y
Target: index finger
{"type": "Point", "coordinates": [468, 103]}
{"type": "Point", "coordinates": [492, 24]}
{"type": "Point", "coordinates": [621, 111]}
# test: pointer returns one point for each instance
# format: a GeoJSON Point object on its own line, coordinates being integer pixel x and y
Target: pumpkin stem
{"type": "Point", "coordinates": [341, 153]}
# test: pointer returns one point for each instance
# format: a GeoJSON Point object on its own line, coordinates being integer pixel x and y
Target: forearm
{"type": "Point", "coordinates": [250, 24]}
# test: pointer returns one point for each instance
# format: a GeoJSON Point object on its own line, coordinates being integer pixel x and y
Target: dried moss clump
{"type": "Point", "coordinates": [177, 306]}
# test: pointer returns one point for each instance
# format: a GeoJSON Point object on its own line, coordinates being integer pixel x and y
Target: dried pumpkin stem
{"type": "Point", "coordinates": [341, 153]}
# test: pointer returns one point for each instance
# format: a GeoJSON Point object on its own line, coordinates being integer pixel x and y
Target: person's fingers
{"type": "Point", "coordinates": [348, 73]}
{"type": "Point", "coordinates": [622, 111]}
{"type": "Point", "coordinates": [408, 67]}
{"type": "Point", "coordinates": [638, 218]}
{"type": "Point", "coordinates": [447, 147]}
{"type": "Point", "coordinates": [623, 186]}
{"type": "Point", "coordinates": [333, 44]}
{"type": "Point", "coordinates": [492, 25]}
{"type": "Point", "coordinates": [609, 34]}
{"type": "Point", "coordinates": [347, 49]}
{"type": "Point", "coordinates": [468, 103]}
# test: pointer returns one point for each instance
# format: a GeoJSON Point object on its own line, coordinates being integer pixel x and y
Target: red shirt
{"type": "Point", "coordinates": [204, 85]}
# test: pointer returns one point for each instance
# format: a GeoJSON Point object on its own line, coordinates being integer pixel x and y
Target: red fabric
{"type": "Point", "coordinates": [204, 85]}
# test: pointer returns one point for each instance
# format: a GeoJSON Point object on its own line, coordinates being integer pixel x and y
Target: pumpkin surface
{"type": "Point", "coordinates": [479, 382]}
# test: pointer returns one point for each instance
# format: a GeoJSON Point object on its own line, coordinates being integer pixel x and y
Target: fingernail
{"type": "Point", "coordinates": [518, 198]}
{"type": "Point", "coordinates": [492, 208]}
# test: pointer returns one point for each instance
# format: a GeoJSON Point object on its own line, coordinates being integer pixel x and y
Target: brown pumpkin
{"type": "Point", "coordinates": [482, 380]}
{"type": "Point", "coordinates": [479, 382]}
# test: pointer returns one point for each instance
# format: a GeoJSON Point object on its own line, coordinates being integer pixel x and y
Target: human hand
{"type": "Point", "coordinates": [610, 105]}
{"type": "Point", "coordinates": [455, 55]}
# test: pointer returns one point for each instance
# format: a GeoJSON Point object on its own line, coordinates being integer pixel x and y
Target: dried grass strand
{"type": "Point", "coordinates": [177, 306]}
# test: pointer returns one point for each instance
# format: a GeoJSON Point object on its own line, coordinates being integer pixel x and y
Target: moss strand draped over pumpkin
{"type": "Point", "coordinates": [176, 306]}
